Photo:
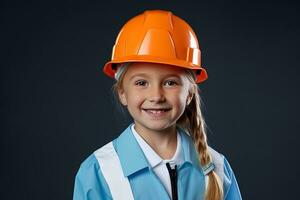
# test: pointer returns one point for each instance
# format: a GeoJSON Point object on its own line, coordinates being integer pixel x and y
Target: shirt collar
{"type": "Point", "coordinates": [133, 159]}
{"type": "Point", "coordinates": [153, 158]}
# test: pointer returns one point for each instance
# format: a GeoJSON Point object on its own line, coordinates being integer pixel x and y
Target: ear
{"type": "Point", "coordinates": [189, 98]}
{"type": "Point", "coordinates": [122, 97]}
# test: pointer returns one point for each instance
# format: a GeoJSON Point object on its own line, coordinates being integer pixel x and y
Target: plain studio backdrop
{"type": "Point", "coordinates": [57, 106]}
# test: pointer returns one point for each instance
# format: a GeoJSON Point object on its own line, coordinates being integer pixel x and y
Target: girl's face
{"type": "Point", "coordinates": [155, 94]}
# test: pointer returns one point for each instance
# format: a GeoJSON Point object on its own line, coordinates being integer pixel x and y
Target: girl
{"type": "Point", "coordinates": [164, 153]}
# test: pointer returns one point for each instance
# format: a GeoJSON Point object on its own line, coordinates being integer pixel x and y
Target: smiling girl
{"type": "Point", "coordinates": [164, 153]}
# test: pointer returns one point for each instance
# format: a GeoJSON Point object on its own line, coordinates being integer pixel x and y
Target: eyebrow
{"type": "Point", "coordinates": [145, 75]}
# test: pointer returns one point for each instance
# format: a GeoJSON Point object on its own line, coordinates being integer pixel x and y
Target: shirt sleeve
{"type": "Point", "coordinates": [90, 183]}
{"type": "Point", "coordinates": [231, 188]}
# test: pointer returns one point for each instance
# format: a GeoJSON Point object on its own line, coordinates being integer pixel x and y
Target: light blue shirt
{"type": "Point", "coordinates": [91, 185]}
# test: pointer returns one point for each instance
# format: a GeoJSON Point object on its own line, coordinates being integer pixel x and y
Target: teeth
{"type": "Point", "coordinates": [156, 111]}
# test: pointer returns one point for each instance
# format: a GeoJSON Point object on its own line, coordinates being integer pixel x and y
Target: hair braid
{"type": "Point", "coordinates": [193, 121]}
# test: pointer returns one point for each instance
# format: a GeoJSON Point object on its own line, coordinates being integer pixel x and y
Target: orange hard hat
{"type": "Point", "coordinates": [157, 36]}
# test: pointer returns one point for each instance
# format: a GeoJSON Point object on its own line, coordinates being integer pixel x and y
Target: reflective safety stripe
{"type": "Point", "coordinates": [119, 184]}
{"type": "Point", "coordinates": [112, 171]}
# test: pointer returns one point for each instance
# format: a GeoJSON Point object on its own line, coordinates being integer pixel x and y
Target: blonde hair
{"type": "Point", "coordinates": [193, 122]}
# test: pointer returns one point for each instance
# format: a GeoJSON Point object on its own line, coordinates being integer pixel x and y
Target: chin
{"type": "Point", "coordinates": [158, 126]}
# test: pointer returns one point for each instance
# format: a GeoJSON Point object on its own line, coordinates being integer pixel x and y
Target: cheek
{"type": "Point", "coordinates": [135, 98]}
{"type": "Point", "coordinates": [178, 98]}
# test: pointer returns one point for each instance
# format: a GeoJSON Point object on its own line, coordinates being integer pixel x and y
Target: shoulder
{"type": "Point", "coordinates": [89, 166]}
{"type": "Point", "coordinates": [89, 180]}
{"type": "Point", "coordinates": [226, 174]}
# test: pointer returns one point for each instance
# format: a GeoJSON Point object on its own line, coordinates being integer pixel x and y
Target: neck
{"type": "Point", "coordinates": [163, 142]}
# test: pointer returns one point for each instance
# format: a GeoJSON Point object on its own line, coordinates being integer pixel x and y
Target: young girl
{"type": "Point", "coordinates": [164, 153]}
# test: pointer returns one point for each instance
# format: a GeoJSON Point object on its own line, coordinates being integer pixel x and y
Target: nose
{"type": "Point", "coordinates": [156, 94]}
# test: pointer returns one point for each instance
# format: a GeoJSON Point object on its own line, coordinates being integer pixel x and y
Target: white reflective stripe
{"type": "Point", "coordinates": [112, 171]}
{"type": "Point", "coordinates": [206, 182]}
{"type": "Point", "coordinates": [218, 160]}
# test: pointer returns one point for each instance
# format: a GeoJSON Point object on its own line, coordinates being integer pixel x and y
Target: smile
{"type": "Point", "coordinates": [156, 112]}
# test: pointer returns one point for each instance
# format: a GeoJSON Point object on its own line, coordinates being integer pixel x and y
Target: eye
{"type": "Point", "coordinates": [140, 83]}
{"type": "Point", "coordinates": [170, 83]}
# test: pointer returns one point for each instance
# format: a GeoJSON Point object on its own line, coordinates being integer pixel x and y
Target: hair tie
{"type": "Point", "coordinates": [120, 70]}
{"type": "Point", "coordinates": [208, 168]}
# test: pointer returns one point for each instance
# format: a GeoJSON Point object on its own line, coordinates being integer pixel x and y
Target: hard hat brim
{"type": "Point", "coordinates": [201, 74]}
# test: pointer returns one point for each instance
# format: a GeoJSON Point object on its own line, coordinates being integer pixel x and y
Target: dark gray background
{"type": "Point", "coordinates": [57, 106]}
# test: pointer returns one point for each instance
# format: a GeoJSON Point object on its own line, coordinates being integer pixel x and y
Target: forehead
{"type": "Point", "coordinates": [153, 69]}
